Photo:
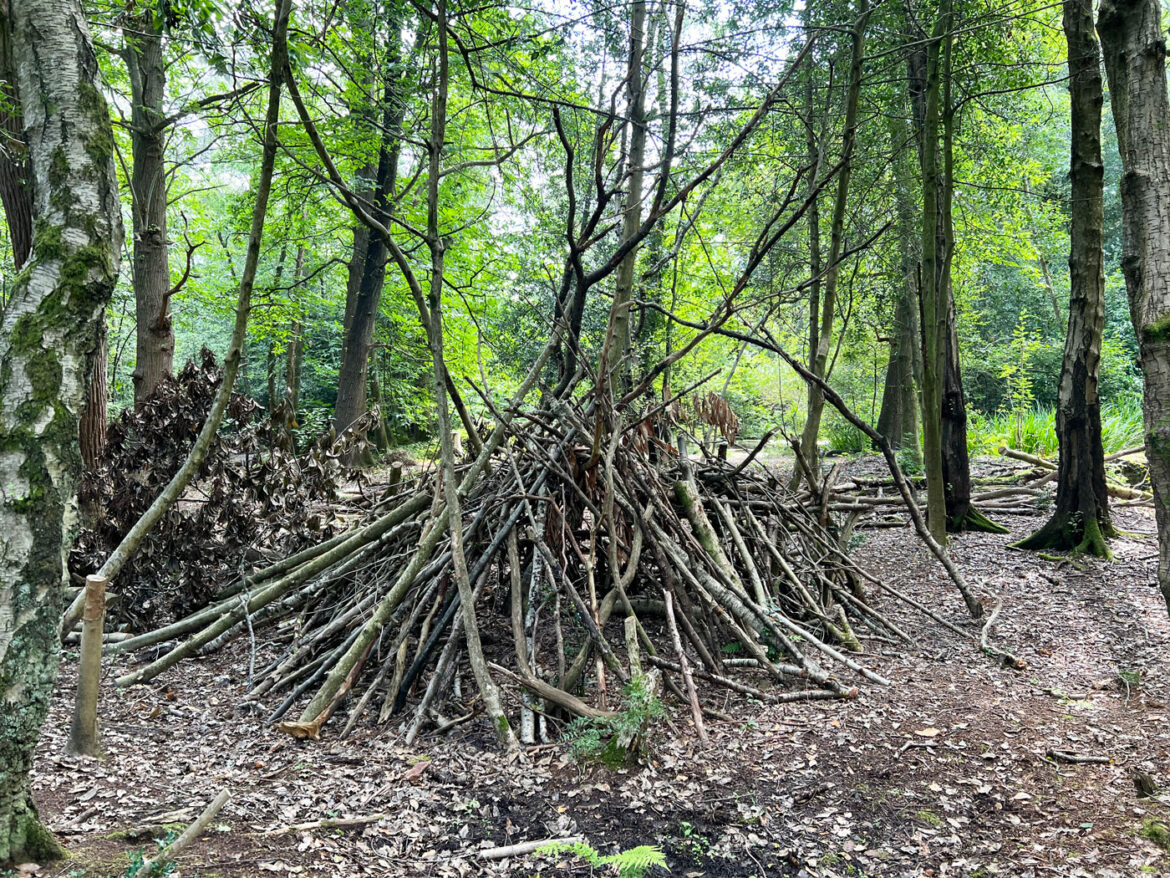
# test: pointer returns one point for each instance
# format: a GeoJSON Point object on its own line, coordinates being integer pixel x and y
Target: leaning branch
{"type": "Point", "coordinates": [231, 364]}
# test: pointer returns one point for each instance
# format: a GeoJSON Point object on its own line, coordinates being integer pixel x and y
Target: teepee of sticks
{"type": "Point", "coordinates": [570, 542]}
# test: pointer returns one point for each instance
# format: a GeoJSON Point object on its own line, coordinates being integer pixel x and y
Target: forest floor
{"type": "Point", "coordinates": [943, 774]}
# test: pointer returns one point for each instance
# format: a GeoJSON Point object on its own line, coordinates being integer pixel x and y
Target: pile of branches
{"type": "Point", "coordinates": [586, 548]}
{"type": "Point", "coordinates": [874, 501]}
{"type": "Point", "coordinates": [254, 498]}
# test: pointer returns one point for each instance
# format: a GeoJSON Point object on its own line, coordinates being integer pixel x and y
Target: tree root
{"type": "Point", "coordinates": [975, 521]}
{"type": "Point", "coordinates": [1075, 532]}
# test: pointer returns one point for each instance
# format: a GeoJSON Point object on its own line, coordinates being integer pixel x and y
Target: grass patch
{"type": "Point", "coordinates": [843, 437]}
{"type": "Point", "coordinates": [1034, 430]}
{"type": "Point", "coordinates": [1157, 832]}
{"type": "Point", "coordinates": [929, 818]}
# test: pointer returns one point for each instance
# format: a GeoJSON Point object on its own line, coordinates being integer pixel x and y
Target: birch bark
{"type": "Point", "coordinates": [48, 333]}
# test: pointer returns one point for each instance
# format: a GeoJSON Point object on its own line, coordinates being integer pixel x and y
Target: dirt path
{"type": "Point", "coordinates": [945, 773]}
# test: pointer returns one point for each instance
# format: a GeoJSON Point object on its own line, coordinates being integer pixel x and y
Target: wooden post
{"type": "Point", "coordinates": [84, 739]}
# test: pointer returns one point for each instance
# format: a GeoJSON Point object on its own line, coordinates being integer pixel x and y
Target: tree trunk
{"type": "Point", "coordinates": [824, 336]}
{"type": "Point", "coordinates": [1135, 63]}
{"type": "Point", "coordinates": [355, 352]}
{"type": "Point", "coordinates": [16, 196]}
{"type": "Point", "coordinates": [381, 433]}
{"type": "Point", "coordinates": [270, 358]}
{"type": "Point", "coordinates": [15, 192]}
{"type": "Point", "coordinates": [92, 430]}
{"type": "Point", "coordinates": [1081, 519]}
{"type": "Point", "coordinates": [898, 420]}
{"type": "Point", "coordinates": [813, 145]}
{"type": "Point", "coordinates": [295, 352]}
{"type": "Point", "coordinates": [48, 335]}
{"type": "Point", "coordinates": [151, 268]}
{"type": "Point", "coordinates": [362, 315]}
{"type": "Point", "coordinates": [613, 368]}
{"type": "Point", "coordinates": [956, 465]}
{"type": "Point", "coordinates": [270, 379]}
{"type": "Point", "coordinates": [362, 119]}
{"type": "Point", "coordinates": [357, 258]}
{"type": "Point", "coordinates": [932, 294]}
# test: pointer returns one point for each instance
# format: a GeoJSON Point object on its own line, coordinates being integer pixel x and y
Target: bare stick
{"type": "Point", "coordinates": [527, 847]}
{"type": "Point", "coordinates": [692, 695]}
{"type": "Point", "coordinates": [329, 823]}
{"type": "Point", "coordinates": [716, 678]}
{"type": "Point", "coordinates": [1070, 758]}
{"type": "Point", "coordinates": [559, 697]}
{"type": "Point", "coordinates": [1006, 657]}
{"type": "Point", "coordinates": [157, 866]}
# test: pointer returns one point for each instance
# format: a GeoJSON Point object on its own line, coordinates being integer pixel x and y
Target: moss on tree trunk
{"type": "Point", "coordinates": [1134, 52]}
{"type": "Point", "coordinates": [48, 334]}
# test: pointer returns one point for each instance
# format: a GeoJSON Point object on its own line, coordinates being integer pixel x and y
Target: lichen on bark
{"type": "Point", "coordinates": [47, 333]}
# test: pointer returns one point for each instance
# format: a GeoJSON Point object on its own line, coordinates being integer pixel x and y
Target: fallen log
{"type": "Point", "coordinates": [1024, 456]}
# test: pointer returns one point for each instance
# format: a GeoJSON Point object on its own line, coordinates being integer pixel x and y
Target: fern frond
{"type": "Point", "coordinates": [634, 862]}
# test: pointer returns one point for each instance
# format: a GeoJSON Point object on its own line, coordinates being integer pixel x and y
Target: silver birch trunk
{"type": "Point", "coordinates": [48, 333]}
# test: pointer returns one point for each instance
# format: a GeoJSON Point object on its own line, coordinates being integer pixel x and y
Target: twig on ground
{"type": "Point", "coordinates": [1069, 758]}
{"type": "Point", "coordinates": [328, 823]}
{"type": "Point", "coordinates": [526, 847]}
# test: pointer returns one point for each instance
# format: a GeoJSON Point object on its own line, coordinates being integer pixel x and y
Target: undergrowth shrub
{"type": "Point", "coordinates": [1034, 430]}
{"type": "Point", "coordinates": [844, 438]}
{"type": "Point", "coordinates": [616, 741]}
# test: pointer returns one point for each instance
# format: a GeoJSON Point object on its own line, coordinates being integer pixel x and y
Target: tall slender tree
{"type": "Point", "coordinates": [366, 283]}
{"type": "Point", "coordinates": [935, 275]}
{"type": "Point", "coordinates": [150, 270]}
{"type": "Point", "coordinates": [48, 332]}
{"type": "Point", "coordinates": [823, 335]}
{"type": "Point", "coordinates": [617, 345]}
{"type": "Point", "coordinates": [944, 406]}
{"type": "Point", "coordinates": [1081, 520]}
{"type": "Point", "coordinates": [898, 420]}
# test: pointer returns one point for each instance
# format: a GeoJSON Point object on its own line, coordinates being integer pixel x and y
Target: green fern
{"type": "Point", "coordinates": [615, 741]}
{"type": "Point", "coordinates": [625, 864]}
